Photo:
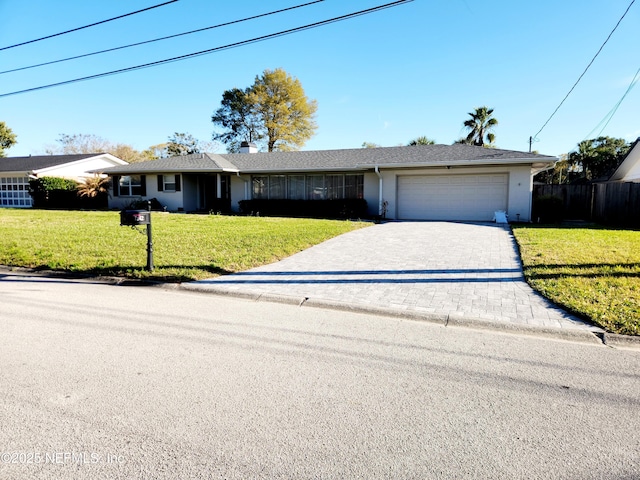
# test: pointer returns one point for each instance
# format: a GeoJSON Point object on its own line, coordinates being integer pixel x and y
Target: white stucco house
{"type": "Point", "coordinates": [425, 182]}
{"type": "Point", "coordinates": [15, 173]}
{"type": "Point", "coordinates": [629, 169]}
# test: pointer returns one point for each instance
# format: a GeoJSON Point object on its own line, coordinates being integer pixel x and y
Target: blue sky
{"type": "Point", "coordinates": [388, 77]}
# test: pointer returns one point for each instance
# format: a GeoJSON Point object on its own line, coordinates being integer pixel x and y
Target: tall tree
{"type": "Point", "coordinates": [370, 145]}
{"type": "Point", "coordinates": [236, 115]}
{"type": "Point", "coordinates": [480, 127]}
{"type": "Point", "coordinates": [599, 157]}
{"type": "Point", "coordinates": [182, 144]}
{"type": "Point", "coordinates": [421, 141]}
{"type": "Point", "coordinates": [274, 113]}
{"type": "Point", "coordinates": [7, 138]}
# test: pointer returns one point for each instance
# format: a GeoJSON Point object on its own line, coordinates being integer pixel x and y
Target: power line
{"type": "Point", "coordinates": [585, 70]}
{"type": "Point", "coordinates": [87, 26]}
{"type": "Point", "coordinates": [216, 49]}
{"type": "Point", "coordinates": [161, 38]}
{"type": "Point", "coordinates": [607, 118]}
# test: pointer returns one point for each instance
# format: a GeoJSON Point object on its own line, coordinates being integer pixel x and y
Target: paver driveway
{"type": "Point", "coordinates": [462, 270]}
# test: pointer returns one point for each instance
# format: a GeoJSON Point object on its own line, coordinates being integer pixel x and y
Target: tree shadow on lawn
{"type": "Point", "coordinates": [629, 270]}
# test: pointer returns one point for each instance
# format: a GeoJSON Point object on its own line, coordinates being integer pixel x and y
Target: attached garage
{"type": "Point", "coordinates": [452, 197]}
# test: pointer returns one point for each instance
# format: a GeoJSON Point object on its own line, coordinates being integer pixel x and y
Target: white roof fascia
{"type": "Point", "coordinates": [107, 156]}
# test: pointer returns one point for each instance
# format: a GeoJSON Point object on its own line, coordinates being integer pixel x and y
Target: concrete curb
{"type": "Point", "coordinates": [572, 334]}
{"type": "Point", "coordinates": [569, 334]}
{"type": "Point", "coordinates": [621, 341]}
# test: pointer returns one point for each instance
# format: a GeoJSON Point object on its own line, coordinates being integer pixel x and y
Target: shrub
{"type": "Point", "coordinates": [141, 204]}
{"type": "Point", "coordinates": [53, 192]}
{"type": "Point", "coordinates": [548, 209]}
{"type": "Point", "coordinates": [344, 208]}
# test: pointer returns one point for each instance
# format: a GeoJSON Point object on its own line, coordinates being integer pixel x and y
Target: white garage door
{"type": "Point", "coordinates": [451, 197]}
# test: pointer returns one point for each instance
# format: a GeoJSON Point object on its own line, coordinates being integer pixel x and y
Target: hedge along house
{"type": "Point", "coordinates": [426, 182]}
{"type": "Point", "coordinates": [15, 173]}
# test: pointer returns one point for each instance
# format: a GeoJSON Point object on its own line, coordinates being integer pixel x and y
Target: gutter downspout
{"type": "Point", "coordinates": [377, 170]}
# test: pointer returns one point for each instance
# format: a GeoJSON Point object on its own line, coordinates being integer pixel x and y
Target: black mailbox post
{"type": "Point", "coordinates": [133, 218]}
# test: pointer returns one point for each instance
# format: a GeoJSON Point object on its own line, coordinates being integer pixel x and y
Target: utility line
{"type": "Point", "coordinates": [607, 118]}
{"type": "Point", "coordinates": [216, 49]}
{"type": "Point", "coordinates": [161, 38]}
{"type": "Point", "coordinates": [87, 26]}
{"type": "Point", "coordinates": [585, 71]}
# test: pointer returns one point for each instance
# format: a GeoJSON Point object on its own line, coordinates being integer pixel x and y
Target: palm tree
{"type": "Point", "coordinates": [480, 125]}
{"type": "Point", "coordinates": [421, 141]}
{"type": "Point", "coordinates": [93, 186]}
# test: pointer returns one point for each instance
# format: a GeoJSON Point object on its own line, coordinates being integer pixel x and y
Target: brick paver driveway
{"type": "Point", "coordinates": [457, 270]}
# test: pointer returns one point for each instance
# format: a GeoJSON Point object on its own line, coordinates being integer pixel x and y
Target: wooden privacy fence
{"type": "Point", "coordinates": [608, 203]}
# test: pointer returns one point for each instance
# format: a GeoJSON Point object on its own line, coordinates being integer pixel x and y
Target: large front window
{"type": "Point", "coordinates": [131, 185]}
{"type": "Point", "coordinates": [260, 187]}
{"type": "Point", "coordinates": [308, 187]}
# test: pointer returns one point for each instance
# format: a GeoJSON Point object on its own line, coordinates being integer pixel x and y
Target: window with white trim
{"type": "Point", "coordinates": [130, 185]}
{"type": "Point", "coordinates": [169, 183]}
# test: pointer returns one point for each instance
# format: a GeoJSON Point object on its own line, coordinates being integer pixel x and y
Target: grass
{"type": "Point", "coordinates": [186, 247]}
{"type": "Point", "coordinates": [593, 272]}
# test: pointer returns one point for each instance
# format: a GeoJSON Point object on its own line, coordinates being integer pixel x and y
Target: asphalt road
{"type": "Point", "coordinates": [100, 381]}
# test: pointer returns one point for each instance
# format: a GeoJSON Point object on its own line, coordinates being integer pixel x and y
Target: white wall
{"type": "Point", "coordinates": [172, 200]}
{"type": "Point", "coordinates": [238, 190]}
{"type": "Point", "coordinates": [371, 190]}
{"type": "Point", "coordinates": [519, 191]}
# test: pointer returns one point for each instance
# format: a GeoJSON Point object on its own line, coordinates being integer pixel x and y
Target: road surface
{"type": "Point", "coordinates": [102, 381]}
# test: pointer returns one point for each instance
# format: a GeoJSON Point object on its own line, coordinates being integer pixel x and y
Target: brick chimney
{"type": "Point", "coordinates": [248, 147]}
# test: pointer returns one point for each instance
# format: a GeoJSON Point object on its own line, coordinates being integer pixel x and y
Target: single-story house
{"type": "Point", "coordinates": [15, 172]}
{"type": "Point", "coordinates": [424, 182]}
{"type": "Point", "coordinates": [629, 169]}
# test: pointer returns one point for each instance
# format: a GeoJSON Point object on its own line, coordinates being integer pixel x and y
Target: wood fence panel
{"type": "Point", "coordinates": [617, 204]}
{"type": "Point", "coordinates": [576, 199]}
{"type": "Point", "coordinates": [608, 203]}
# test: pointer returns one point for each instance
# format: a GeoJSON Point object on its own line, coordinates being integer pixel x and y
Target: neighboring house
{"type": "Point", "coordinates": [629, 169]}
{"type": "Point", "coordinates": [426, 182]}
{"type": "Point", "coordinates": [15, 173]}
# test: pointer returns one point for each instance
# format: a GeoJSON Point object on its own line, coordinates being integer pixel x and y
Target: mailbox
{"type": "Point", "coordinates": [135, 217]}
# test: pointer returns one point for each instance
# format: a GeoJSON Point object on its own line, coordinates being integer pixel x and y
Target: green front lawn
{"type": "Point", "coordinates": [186, 247]}
{"type": "Point", "coordinates": [594, 272]}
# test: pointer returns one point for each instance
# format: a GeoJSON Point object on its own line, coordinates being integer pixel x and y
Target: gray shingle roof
{"type": "Point", "coordinates": [363, 158]}
{"type": "Point", "coordinates": [28, 164]}
{"type": "Point", "coordinates": [336, 160]}
{"type": "Point", "coordinates": [197, 162]}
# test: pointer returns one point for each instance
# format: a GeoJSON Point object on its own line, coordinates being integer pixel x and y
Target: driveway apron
{"type": "Point", "coordinates": [467, 270]}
